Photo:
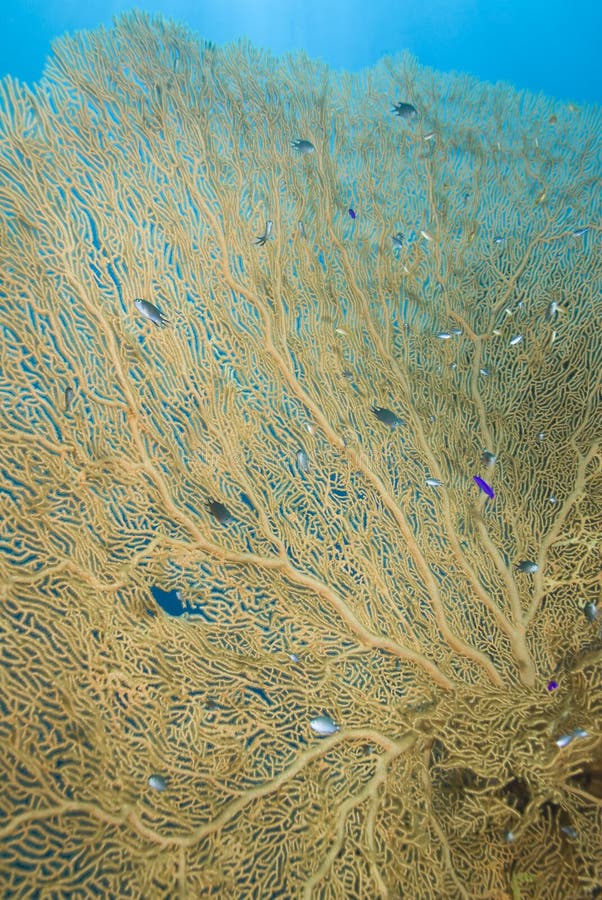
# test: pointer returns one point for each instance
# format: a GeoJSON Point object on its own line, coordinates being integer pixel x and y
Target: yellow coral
{"type": "Point", "coordinates": [145, 165]}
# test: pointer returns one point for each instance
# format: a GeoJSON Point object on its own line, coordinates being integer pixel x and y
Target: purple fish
{"type": "Point", "coordinates": [486, 488]}
{"type": "Point", "coordinates": [352, 213]}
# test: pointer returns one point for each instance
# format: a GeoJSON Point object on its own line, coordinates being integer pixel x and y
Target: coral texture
{"type": "Point", "coordinates": [295, 454]}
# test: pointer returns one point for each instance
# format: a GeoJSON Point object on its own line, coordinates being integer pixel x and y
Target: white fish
{"type": "Point", "coordinates": [516, 339]}
{"type": "Point", "coordinates": [323, 725]}
{"type": "Point", "coordinates": [434, 482]}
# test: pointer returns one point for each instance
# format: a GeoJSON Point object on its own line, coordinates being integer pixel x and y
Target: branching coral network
{"type": "Point", "coordinates": [314, 357]}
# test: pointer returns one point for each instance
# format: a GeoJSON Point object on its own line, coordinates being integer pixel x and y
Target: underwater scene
{"type": "Point", "coordinates": [300, 478]}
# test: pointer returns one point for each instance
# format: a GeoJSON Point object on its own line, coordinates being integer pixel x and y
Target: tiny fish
{"type": "Point", "coordinates": [456, 331]}
{"type": "Point", "coordinates": [157, 782]}
{"type": "Point", "coordinates": [484, 372]}
{"type": "Point", "coordinates": [434, 482]}
{"type": "Point", "coordinates": [301, 229]}
{"type": "Point", "coordinates": [566, 739]}
{"type": "Point", "coordinates": [386, 416]}
{"type": "Point", "coordinates": [219, 512]}
{"type": "Point", "coordinates": [569, 831]}
{"type": "Point", "coordinates": [303, 147]}
{"type": "Point", "coordinates": [303, 461]}
{"type": "Point", "coordinates": [263, 238]}
{"type": "Point", "coordinates": [68, 397]}
{"type": "Point", "coordinates": [151, 312]}
{"type": "Point", "coordinates": [498, 240]}
{"type": "Point", "coordinates": [579, 232]}
{"type": "Point", "coordinates": [591, 611]}
{"type": "Point", "coordinates": [429, 136]}
{"type": "Point", "coordinates": [527, 566]}
{"type": "Point", "coordinates": [294, 658]}
{"type": "Point", "coordinates": [486, 488]}
{"type": "Point", "coordinates": [397, 241]}
{"type": "Point", "coordinates": [426, 235]}
{"type": "Point", "coordinates": [552, 311]}
{"type": "Point", "coordinates": [516, 339]}
{"type": "Point", "coordinates": [444, 335]}
{"type": "Point", "coordinates": [404, 110]}
{"type": "Point", "coordinates": [323, 726]}
{"type": "Point", "coordinates": [351, 213]}
{"type": "Point", "coordinates": [488, 458]}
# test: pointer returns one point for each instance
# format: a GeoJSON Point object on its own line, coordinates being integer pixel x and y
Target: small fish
{"type": "Point", "coordinates": [426, 235]}
{"type": "Point", "coordinates": [579, 232]}
{"type": "Point", "coordinates": [444, 335]}
{"type": "Point", "coordinates": [527, 566]}
{"type": "Point", "coordinates": [486, 488]}
{"type": "Point", "coordinates": [397, 240]}
{"type": "Point", "coordinates": [516, 340]}
{"type": "Point", "coordinates": [569, 831]}
{"type": "Point", "coordinates": [484, 372]}
{"type": "Point", "coordinates": [552, 311]}
{"type": "Point", "coordinates": [219, 511]}
{"type": "Point", "coordinates": [456, 331]}
{"type": "Point", "coordinates": [323, 725]}
{"type": "Point", "coordinates": [591, 611]}
{"type": "Point", "coordinates": [488, 458]}
{"type": "Point", "coordinates": [263, 238]}
{"type": "Point", "coordinates": [434, 482]}
{"type": "Point", "coordinates": [404, 110]}
{"type": "Point", "coordinates": [151, 312]}
{"type": "Point", "coordinates": [429, 136]}
{"type": "Point", "coordinates": [498, 240]}
{"type": "Point", "coordinates": [386, 416]}
{"type": "Point", "coordinates": [68, 397]}
{"type": "Point", "coordinates": [301, 229]}
{"type": "Point", "coordinates": [157, 782]}
{"type": "Point", "coordinates": [566, 739]}
{"type": "Point", "coordinates": [303, 147]}
{"type": "Point", "coordinates": [294, 658]}
{"type": "Point", "coordinates": [303, 461]}
{"type": "Point", "coordinates": [351, 213]}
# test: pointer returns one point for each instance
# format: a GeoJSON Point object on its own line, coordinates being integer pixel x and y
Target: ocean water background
{"type": "Point", "coordinates": [542, 45]}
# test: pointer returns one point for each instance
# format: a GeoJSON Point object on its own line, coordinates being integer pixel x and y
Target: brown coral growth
{"type": "Point", "coordinates": [145, 165]}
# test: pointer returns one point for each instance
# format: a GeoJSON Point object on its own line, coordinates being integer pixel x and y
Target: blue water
{"type": "Point", "coordinates": [542, 45]}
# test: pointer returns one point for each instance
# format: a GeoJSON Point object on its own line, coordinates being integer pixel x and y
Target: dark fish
{"type": "Point", "coordinates": [351, 213]}
{"type": "Point", "coordinates": [397, 240]}
{"type": "Point", "coordinates": [579, 232]}
{"type": "Point", "coordinates": [219, 511]}
{"type": "Point", "coordinates": [263, 238]}
{"type": "Point", "coordinates": [68, 397]}
{"type": "Point", "coordinates": [404, 110]}
{"type": "Point", "coordinates": [386, 416]}
{"type": "Point", "coordinates": [486, 488]}
{"type": "Point", "coordinates": [527, 566]}
{"type": "Point", "coordinates": [302, 146]}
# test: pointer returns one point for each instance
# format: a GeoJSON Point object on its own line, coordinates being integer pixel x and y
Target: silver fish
{"type": "Point", "coordinates": [516, 340]}
{"type": "Point", "coordinates": [488, 458]}
{"type": "Point", "coordinates": [444, 335]}
{"type": "Point", "coordinates": [323, 725]}
{"type": "Point", "coordinates": [552, 311]}
{"type": "Point", "coordinates": [303, 461]}
{"type": "Point", "coordinates": [301, 229]}
{"type": "Point", "coordinates": [397, 241]}
{"type": "Point", "coordinates": [569, 831]}
{"type": "Point", "coordinates": [579, 232]}
{"type": "Point", "coordinates": [263, 238]}
{"type": "Point", "coordinates": [591, 611]}
{"type": "Point", "coordinates": [157, 782]}
{"type": "Point", "coordinates": [151, 312]}
{"type": "Point", "coordinates": [303, 147]}
{"type": "Point", "coordinates": [434, 482]}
